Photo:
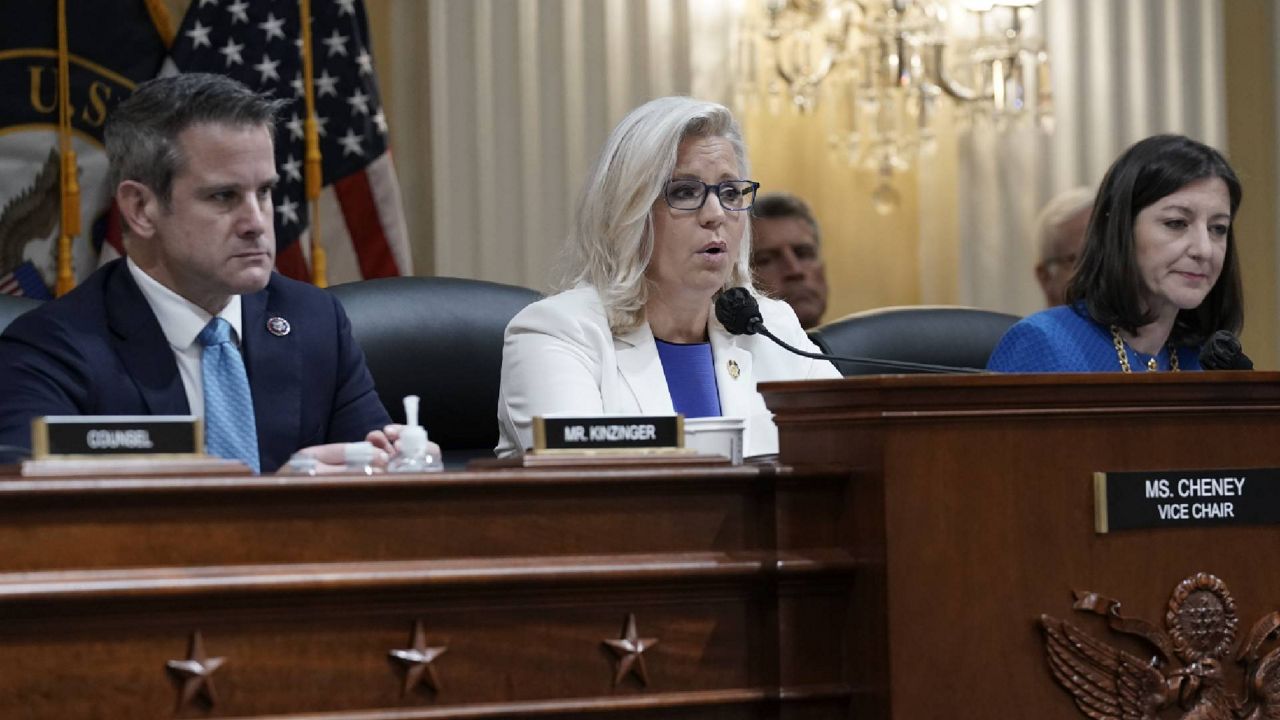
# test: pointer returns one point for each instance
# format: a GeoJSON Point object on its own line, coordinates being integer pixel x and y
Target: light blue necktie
{"type": "Point", "coordinates": [229, 427]}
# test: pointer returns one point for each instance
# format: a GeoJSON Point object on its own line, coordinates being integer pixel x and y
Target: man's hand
{"type": "Point", "coordinates": [388, 439]}
{"type": "Point", "coordinates": [331, 457]}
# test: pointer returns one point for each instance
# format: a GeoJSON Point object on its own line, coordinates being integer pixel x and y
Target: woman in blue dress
{"type": "Point", "coordinates": [1158, 276]}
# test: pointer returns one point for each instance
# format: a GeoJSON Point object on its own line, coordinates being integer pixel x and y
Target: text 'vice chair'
{"type": "Point", "coordinates": [933, 334]}
{"type": "Point", "coordinates": [441, 339]}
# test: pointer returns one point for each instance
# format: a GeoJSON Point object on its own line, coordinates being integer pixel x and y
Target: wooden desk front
{"type": "Point", "coordinates": [305, 585]}
{"type": "Point", "coordinates": [971, 506]}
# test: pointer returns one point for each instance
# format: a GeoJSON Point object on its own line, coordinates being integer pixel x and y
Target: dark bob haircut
{"type": "Point", "coordinates": [1107, 277]}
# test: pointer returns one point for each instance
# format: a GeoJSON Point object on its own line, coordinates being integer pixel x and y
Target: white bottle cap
{"type": "Point", "coordinates": [413, 437]}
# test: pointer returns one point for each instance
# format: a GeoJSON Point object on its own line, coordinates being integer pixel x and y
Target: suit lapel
{"type": "Point", "coordinates": [641, 368]}
{"type": "Point", "coordinates": [274, 369]}
{"type": "Point", "coordinates": [140, 344]}
{"type": "Point", "coordinates": [735, 377]}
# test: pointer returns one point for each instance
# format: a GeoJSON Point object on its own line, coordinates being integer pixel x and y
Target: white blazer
{"type": "Point", "coordinates": [560, 357]}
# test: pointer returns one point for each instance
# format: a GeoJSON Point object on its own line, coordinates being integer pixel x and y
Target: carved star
{"type": "Point", "coordinates": [630, 649]}
{"type": "Point", "coordinates": [195, 674]}
{"type": "Point", "coordinates": [418, 661]}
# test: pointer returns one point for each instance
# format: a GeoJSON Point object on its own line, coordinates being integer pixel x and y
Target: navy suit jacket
{"type": "Point", "coordinates": [99, 350]}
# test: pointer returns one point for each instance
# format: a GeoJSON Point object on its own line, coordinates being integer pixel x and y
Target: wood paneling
{"type": "Point", "coordinates": [970, 511]}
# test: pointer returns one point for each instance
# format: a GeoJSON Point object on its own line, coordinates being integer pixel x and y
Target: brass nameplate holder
{"type": "Point", "coordinates": [86, 436]}
{"type": "Point", "coordinates": [1185, 498]}
{"type": "Point", "coordinates": [120, 446]}
{"type": "Point", "coordinates": [627, 435]}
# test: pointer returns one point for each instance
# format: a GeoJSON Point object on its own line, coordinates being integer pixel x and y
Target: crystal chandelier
{"type": "Point", "coordinates": [877, 68]}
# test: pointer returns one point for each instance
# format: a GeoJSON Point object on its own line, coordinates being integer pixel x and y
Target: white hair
{"type": "Point", "coordinates": [1064, 206]}
{"type": "Point", "coordinates": [611, 242]}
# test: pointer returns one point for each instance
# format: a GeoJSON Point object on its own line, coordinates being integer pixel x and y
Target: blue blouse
{"type": "Point", "coordinates": [1066, 339]}
{"type": "Point", "coordinates": [691, 378]}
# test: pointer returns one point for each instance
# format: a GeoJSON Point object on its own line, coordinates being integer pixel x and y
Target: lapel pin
{"type": "Point", "coordinates": [734, 371]}
{"type": "Point", "coordinates": [278, 326]}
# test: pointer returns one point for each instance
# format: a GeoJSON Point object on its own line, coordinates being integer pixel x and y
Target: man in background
{"type": "Point", "coordinates": [194, 321]}
{"type": "Point", "coordinates": [1060, 230]}
{"type": "Point", "coordinates": [785, 256]}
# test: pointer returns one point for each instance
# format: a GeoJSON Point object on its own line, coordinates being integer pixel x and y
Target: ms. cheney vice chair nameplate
{"type": "Point", "coordinates": [1181, 498]}
{"type": "Point", "coordinates": [608, 433]}
{"type": "Point", "coordinates": [79, 436]}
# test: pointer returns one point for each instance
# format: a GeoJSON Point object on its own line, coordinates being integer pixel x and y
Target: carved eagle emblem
{"type": "Point", "coordinates": [1184, 675]}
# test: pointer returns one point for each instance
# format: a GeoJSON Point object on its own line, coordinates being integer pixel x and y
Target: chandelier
{"type": "Point", "coordinates": [876, 70]}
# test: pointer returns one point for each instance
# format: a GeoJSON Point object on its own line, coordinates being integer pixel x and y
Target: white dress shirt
{"type": "Point", "coordinates": [181, 321]}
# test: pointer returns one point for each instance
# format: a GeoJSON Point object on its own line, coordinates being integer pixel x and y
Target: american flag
{"type": "Point", "coordinates": [260, 44]}
{"type": "Point", "coordinates": [25, 281]}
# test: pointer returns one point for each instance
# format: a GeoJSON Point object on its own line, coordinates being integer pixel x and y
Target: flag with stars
{"type": "Point", "coordinates": [112, 45]}
{"type": "Point", "coordinates": [362, 227]}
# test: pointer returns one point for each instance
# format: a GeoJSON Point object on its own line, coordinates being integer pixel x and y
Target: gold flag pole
{"type": "Point", "coordinates": [70, 182]}
{"type": "Point", "coordinates": [313, 159]}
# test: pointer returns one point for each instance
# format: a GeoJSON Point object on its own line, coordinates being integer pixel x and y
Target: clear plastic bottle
{"type": "Point", "coordinates": [415, 454]}
{"type": "Point", "coordinates": [359, 456]}
{"type": "Point", "coordinates": [301, 463]}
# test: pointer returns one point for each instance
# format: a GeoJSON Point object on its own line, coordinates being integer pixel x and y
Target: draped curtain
{"type": "Point", "coordinates": [523, 94]}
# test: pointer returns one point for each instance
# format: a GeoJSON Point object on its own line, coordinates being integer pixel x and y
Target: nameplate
{"type": "Point", "coordinates": [1185, 498]}
{"type": "Point", "coordinates": [579, 434]}
{"type": "Point", "coordinates": [96, 435]}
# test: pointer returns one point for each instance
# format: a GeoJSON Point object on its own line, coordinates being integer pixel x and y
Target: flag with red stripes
{"type": "Point", "coordinates": [362, 225]}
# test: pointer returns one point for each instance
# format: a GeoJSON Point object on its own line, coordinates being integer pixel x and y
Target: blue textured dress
{"type": "Point", "coordinates": [1066, 339]}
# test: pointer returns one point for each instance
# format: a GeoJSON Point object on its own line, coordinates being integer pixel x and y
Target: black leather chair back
{"type": "Point", "coordinates": [932, 334]}
{"type": "Point", "coordinates": [441, 339]}
{"type": "Point", "coordinates": [11, 306]}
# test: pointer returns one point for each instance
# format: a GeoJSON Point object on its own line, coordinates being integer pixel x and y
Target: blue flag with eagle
{"type": "Point", "coordinates": [112, 45]}
{"type": "Point", "coordinates": [260, 44]}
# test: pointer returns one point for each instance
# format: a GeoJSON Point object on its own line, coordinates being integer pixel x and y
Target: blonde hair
{"type": "Point", "coordinates": [611, 242]}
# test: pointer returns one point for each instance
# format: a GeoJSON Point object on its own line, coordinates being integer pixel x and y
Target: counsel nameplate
{"type": "Point", "coordinates": [1185, 498]}
{"type": "Point", "coordinates": [579, 434]}
{"type": "Point", "coordinates": [97, 435]}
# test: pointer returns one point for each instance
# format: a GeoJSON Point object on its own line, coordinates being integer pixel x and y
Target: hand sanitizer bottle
{"type": "Point", "coordinates": [359, 456]}
{"type": "Point", "coordinates": [415, 455]}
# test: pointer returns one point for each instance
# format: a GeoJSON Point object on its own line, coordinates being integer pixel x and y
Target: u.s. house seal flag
{"type": "Point", "coordinates": [109, 47]}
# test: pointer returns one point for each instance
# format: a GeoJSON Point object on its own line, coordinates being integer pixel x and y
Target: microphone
{"type": "Point", "coordinates": [1223, 352]}
{"type": "Point", "coordinates": [739, 313]}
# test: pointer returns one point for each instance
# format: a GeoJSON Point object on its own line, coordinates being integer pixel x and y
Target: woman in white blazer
{"type": "Point", "coordinates": [661, 230]}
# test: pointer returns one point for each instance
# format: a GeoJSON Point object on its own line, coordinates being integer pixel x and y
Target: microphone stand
{"type": "Point", "coordinates": [890, 364]}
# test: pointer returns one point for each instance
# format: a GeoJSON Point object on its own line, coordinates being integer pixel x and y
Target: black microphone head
{"type": "Point", "coordinates": [738, 311]}
{"type": "Point", "coordinates": [1223, 352]}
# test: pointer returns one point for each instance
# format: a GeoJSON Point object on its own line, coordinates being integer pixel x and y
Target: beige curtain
{"type": "Point", "coordinates": [522, 95]}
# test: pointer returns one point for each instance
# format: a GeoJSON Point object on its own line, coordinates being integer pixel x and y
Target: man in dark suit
{"type": "Point", "coordinates": [192, 161]}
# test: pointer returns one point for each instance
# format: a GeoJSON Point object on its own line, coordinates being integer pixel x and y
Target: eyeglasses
{"type": "Point", "coordinates": [735, 195]}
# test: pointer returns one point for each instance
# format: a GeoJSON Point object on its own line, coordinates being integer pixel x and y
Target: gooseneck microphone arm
{"type": "Point", "coordinates": [873, 362]}
{"type": "Point", "coordinates": [739, 313]}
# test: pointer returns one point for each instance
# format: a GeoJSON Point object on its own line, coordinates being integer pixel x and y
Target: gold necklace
{"type": "Point", "coordinates": [1151, 364]}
